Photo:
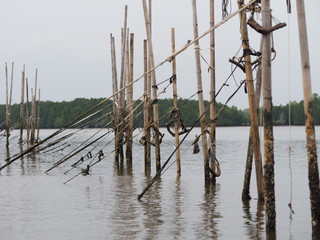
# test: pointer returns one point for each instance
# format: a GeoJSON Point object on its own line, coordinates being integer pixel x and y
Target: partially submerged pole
{"type": "Point", "coordinates": [313, 170]}
{"type": "Point", "coordinates": [21, 120]}
{"type": "Point", "coordinates": [154, 87]}
{"type": "Point", "coordinates": [212, 92]}
{"type": "Point", "coordinates": [175, 103]}
{"type": "Point", "coordinates": [269, 181]}
{"type": "Point", "coordinates": [130, 102]}
{"type": "Point", "coordinates": [147, 113]}
{"type": "Point", "coordinates": [115, 97]}
{"type": "Point", "coordinates": [200, 94]}
{"type": "Point", "coordinates": [252, 107]}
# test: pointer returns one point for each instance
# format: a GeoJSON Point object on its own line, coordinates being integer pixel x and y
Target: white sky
{"type": "Point", "coordinates": [68, 41]}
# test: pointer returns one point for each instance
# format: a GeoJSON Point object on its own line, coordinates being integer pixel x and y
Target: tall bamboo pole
{"type": "Point", "coordinates": [269, 182]}
{"type": "Point", "coordinates": [200, 93]}
{"type": "Point", "coordinates": [175, 102]}
{"type": "Point", "coordinates": [147, 113]}
{"type": "Point", "coordinates": [130, 101]}
{"type": "Point", "coordinates": [115, 97]}
{"type": "Point", "coordinates": [154, 88]}
{"type": "Point", "coordinates": [21, 120]}
{"type": "Point", "coordinates": [33, 110]}
{"type": "Point", "coordinates": [253, 113]}
{"type": "Point", "coordinates": [313, 170]}
{"type": "Point", "coordinates": [212, 89]}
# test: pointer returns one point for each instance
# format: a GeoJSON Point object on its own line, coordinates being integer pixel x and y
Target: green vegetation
{"type": "Point", "coordinates": [57, 114]}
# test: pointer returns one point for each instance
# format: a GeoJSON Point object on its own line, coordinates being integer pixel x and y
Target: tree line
{"type": "Point", "coordinates": [57, 114]}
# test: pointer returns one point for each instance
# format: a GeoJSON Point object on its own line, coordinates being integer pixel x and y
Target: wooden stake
{"type": "Point", "coordinates": [175, 103]}
{"type": "Point", "coordinates": [21, 120]}
{"type": "Point", "coordinates": [313, 170]}
{"type": "Point", "coordinates": [269, 183]}
{"type": "Point", "coordinates": [154, 88]}
{"type": "Point", "coordinates": [200, 94]}
{"type": "Point", "coordinates": [253, 113]}
{"type": "Point", "coordinates": [212, 91]}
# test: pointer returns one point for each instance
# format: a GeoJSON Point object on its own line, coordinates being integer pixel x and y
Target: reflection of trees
{"type": "Point", "coordinates": [208, 228]}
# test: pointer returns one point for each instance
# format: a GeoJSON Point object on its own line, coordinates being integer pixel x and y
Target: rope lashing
{"type": "Point", "coordinates": [175, 115]}
{"type": "Point", "coordinates": [100, 155]}
{"type": "Point", "coordinates": [85, 171]}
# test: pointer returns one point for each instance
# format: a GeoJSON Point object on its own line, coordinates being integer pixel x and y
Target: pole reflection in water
{"type": "Point", "coordinates": [254, 221]}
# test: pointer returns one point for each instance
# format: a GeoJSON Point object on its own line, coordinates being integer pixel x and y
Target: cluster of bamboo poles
{"type": "Point", "coordinates": [29, 117]}
{"type": "Point", "coordinates": [123, 105]}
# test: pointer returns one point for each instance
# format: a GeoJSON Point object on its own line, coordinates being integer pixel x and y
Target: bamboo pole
{"type": "Point", "coordinates": [33, 110]}
{"type": "Point", "coordinates": [154, 88]}
{"type": "Point", "coordinates": [7, 108]}
{"type": "Point", "coordinates": [175, 103]}
{"type": "Point", "coordinates": [253, 113]}
{"type": "Point", "coordinates": [21, 120]}
{"type": "Point", "coordinates": [269, 182]}
{"type": "Point", "coordinates": [147, 113]}
{"type": "Point", "coordinates": [38, 118]}
{"type": "Point", "coordinates": [249, 160]}
{"type": "Point", "coordinates": [115, 97]}
{"type": "Point", "coordinates": [313, 170]}
{"type": "Point", "coordinates": [200, 94]}
{"type": "Point", "coordinates": [27, 113]}
{"type": "Point", "coordinates": [212, 91]}
{"type": "Point", "coordinates": [130, 102]}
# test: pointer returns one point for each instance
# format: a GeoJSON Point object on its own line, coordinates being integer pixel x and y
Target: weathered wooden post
{"type": "Point", "coordinates": [175, 102]}
{"type": "Point", "coordinates": [147, 113]}
{"type": "Point", "coordinates": [200, 94]}
{"type": "Point", "coordinates": [38, 118]}
{"type": "Point", "coordinates": [154, 87]}
{"type": "Point", "coordinates": [269, 183]}
{"type": "Point", "coordinates": [253, 113]}
{"type": "Point", "coordinates": [21, 120]}
{"type": "Point", "coordinates": [27, 113]}
{"type": "Point", "coordinates": [313, 170]}
{"type": "Point", "coordinates": [212, 91]}
{"type": "Point", "coordinates": [33, 110]}
{"type": "Point", "coordinates": [130, 102]}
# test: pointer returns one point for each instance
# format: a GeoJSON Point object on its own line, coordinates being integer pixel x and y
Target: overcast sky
{"type": "Point", "coordinates": [68, 42]}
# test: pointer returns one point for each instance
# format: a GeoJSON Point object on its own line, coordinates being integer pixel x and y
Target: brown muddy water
{"type": "Point", "coordinates": [104, 205]}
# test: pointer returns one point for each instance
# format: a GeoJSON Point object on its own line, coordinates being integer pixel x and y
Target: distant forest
{"type": "Point", "coordinates": [57, 114]}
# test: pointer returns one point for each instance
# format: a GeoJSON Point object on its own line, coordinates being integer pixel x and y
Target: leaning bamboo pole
{"type": "Point", "coordinates": [130, 102]}
{"type": "Point", "coordinates": [175, 103]}
{"type": "Point", "coordinates": [212, 91]}
{"type": "Point", "coordinates": [21, 120]}
{"type": "Point", "coordinates": [200, 94]}
{"type": "Point", "coordinates": [269, 183]}
{"type": "Point", "coordinates": [154, 87]}
{"type": "Point", "coordinates": [147, 113]}
{"type": "Point", "coordinates": [313, 170]}
{"type": "Point", "coordinates": [253, 113]}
